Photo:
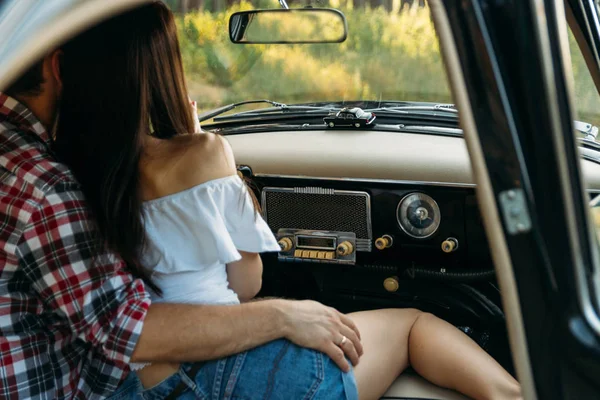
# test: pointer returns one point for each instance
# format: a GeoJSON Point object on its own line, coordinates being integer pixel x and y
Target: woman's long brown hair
{"type": "Point", "coordinates": [122, 80]}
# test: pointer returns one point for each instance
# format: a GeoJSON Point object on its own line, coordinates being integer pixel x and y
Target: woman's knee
{"type": "Point", "coordinates": [398, 320]}
{"type": "Point", "coordinates": [425, 317]}
{"type": "Point", "coordinates": [407, 315]}
{"type": "Point", "coordinates": [421, 319]}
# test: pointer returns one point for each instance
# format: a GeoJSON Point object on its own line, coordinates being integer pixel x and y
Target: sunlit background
{"type": "Point", "coordinates": [392, 53]}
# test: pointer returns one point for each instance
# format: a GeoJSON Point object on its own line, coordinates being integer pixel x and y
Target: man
{"type": "Point", "coordinates": [71, 320]}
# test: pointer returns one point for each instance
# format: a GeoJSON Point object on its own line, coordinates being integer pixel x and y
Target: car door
{"type": "Point", "coordinates": [508, 63]}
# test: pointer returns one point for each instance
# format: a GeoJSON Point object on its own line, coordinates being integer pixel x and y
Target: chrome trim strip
{"type": "Point", "coordinates": [388, 181]}
{"type": "Point", "coordinates": [314, 260]}
{"type": "Point", "coordinates": [263, 204]}
{"type": "Point", "coordinates": [368, 180]}
{"type": "Point", "coordinates": [313, 190]}
{"type": "Point", "coordinates": [364, 245]}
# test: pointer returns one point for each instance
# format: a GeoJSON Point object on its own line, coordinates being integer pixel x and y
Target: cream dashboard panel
{"type": "Point", "coordinates": [365, 155]}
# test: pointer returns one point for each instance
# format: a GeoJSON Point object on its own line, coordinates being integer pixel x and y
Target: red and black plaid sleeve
{"type": "Point", "coordinates": [70, 314]}
{"type": "Point", "coordinates": [102, 303]}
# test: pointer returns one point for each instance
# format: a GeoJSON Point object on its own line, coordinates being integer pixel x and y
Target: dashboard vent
{"type": "Point", "coordinates": [319, 209]}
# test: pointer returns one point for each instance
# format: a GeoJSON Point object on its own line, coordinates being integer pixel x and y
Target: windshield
{"type": "Point", "coordinates": [391, 53]}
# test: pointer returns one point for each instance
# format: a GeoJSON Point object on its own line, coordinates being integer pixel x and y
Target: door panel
{"type": "Point", "coordinates": [512, 57]}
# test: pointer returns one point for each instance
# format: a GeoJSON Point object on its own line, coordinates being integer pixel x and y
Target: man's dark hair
{"type": "Point", "coordinates": [30, 83]}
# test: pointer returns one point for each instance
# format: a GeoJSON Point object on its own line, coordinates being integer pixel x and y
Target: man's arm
{"type": "Point", "coordinates": [105, 306]}
{"type": "Point", "coordinates": [245, 276]}
{"type": "Point", "coordinates": [182, 332]}
{"type": "Point", "coordinates": [179, 332]}
{"type": "Point", "coordinates": [88, 289]}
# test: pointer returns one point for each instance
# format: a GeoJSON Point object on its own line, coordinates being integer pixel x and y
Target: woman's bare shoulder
{"type": "Point", "coordinates": [205, 157]}
{"type": "Point", "coordinates": [187, 161]}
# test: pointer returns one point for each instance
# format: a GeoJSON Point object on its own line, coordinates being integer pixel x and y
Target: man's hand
{"type": "Point", "coordinates": [191, 332]}
{"type": "Point", "coordinates": [313, 325]}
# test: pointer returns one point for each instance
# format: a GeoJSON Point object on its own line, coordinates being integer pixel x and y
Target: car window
{"type": "Point", "coordinates": [587, 109]}
{"type": "Point", "coordinates": [587, 99]}
{"type": "Point", "coordinates": [391, 53]}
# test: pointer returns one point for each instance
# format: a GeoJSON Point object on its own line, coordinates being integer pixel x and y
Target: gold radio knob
{"type": "Point", "coordinates": [286, 244]}
{"type": "Point", "coordinates": [449, 245]}
{"type": "Point", "coordinates": [345, 248]}
{"type": "Point", "coordinates": [384, 242]}
{"type": "Point", "coordinates": [391, 284]}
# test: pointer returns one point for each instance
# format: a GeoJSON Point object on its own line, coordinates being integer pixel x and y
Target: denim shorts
{"type": "Point", "coordinates": [276, 370]}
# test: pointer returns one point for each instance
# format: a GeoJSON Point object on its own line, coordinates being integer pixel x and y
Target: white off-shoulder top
{"type": "Point", "coordinates": [192, 235]}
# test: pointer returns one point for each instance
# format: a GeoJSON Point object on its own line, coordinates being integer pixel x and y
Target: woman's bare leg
{"type": "Point", "coordinates": [393, 339]}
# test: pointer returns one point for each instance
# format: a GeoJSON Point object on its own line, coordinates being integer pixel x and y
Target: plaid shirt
{"type": "Point", "coordinates": [69, 318]}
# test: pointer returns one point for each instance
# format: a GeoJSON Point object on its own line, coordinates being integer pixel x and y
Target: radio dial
{"type": "Point", "coordinates": [449, 245]}
{"type": "Point", "coordinates": [384, 242]}
{"type": "Point", "coordinates": [345, 248]}
{"type": "Point", "coordinates": [286, 244]}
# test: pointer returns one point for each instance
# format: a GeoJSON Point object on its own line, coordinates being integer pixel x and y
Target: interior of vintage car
{"type": "Point", "coordinates": [370, 216]}
{"type": "Point", "coordinates": [367, 214]}
{"type": "Point", "coordinates": [373, 217]}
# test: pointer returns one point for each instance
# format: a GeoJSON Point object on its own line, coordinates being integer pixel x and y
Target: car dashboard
{"type": "Point", "coordinates": [399, 227]}
{"type": "Point", "coordinates": [405, 203]}
{"type": "Point", "coordinates": [368, 219]}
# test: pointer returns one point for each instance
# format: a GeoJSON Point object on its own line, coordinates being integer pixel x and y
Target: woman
{"type": "Point", "coordinates": [172, 205]}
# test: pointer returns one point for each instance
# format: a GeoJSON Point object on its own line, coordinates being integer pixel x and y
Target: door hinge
{"type": "Point", "coordinates": [515, 212]}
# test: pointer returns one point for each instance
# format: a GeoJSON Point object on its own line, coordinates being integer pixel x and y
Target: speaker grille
{"type": "Point", "coordinates": [318, 209]}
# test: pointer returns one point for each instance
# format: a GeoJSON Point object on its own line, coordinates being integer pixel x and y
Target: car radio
{"type": "Point", "coordinates": [301, 245]}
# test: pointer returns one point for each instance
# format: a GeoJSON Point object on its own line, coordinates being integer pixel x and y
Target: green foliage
{"type": "Point", "coordinates": [587, 100]}
{"type": "Point", "coordinates": [389, 55]}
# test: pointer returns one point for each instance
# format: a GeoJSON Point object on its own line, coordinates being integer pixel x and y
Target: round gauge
{"type": "Point", "coordinates": [418, 215]}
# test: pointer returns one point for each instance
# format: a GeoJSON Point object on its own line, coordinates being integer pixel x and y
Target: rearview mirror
{"type": "Point", "coordinates": [302, 25]}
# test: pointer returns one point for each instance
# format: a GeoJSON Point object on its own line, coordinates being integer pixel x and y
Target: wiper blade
{"type": "Point", "coordinates": [273, 110]}
{"type": "Point", "coordinates": [218, 111]}
{"type": "Point", "coordinates": [444, 108]}
{"type": "Point", "coordinates": [277, 112]}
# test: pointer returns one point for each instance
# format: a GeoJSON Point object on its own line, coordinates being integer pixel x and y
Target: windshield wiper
{"type": "Point", "coordinates": [278, 107]}
{"type": "Point", "coordinates": [422, 112]}
{"type": "Point", "coordinates": [229, 107]}
{"type": "Point", "coordinates": [444, 108]}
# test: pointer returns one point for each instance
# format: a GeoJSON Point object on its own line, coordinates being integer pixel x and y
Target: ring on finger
{"type": "Point", "coordinates": [344, 339]}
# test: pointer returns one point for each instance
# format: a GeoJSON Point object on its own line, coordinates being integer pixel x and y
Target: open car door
{"type": "Point", "coordinates": [508, 63]}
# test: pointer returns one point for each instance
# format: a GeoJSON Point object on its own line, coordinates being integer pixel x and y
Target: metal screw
{"type": "Point", "coordinates": [511, 194]}
{"type": "Point", "coordinates": [520, 228]}
{"type": "Point", "coordinates": [443, 270]}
